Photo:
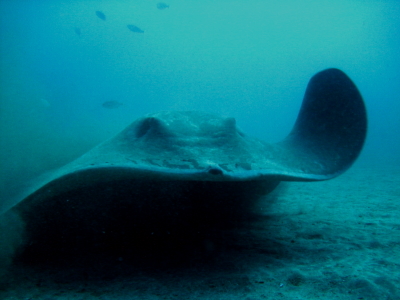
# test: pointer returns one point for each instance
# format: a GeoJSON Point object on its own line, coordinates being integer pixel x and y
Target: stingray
{"type": "Point", "coordinates": [188, 165]}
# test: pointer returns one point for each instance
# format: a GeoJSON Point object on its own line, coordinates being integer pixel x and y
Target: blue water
{"type": "Point", "coordinates": [247, 59]}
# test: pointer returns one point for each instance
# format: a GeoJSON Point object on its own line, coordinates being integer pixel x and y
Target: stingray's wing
{"type": "Point", "coordinates": [329, 132]}
{"type": "Point", "coordinates": [326, 139]}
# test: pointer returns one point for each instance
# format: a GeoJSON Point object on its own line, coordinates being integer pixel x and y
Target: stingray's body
{"type": "Point", "coordinates": [188, 167]}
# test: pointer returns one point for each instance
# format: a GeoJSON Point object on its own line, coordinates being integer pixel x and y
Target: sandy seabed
{"type": "Point", "coordinates": [338, 239]}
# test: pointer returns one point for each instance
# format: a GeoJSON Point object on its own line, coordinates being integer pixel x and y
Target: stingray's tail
{"type": "Point", "coordinates": [330, 130]}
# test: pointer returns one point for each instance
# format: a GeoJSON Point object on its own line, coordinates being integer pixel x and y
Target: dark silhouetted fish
{"type": "Point", "coordinates": [134, 28]}
{"type": "Point", "coordinates": [162, 5]}
{"type": "Point", "coordinates": [101, 15]}
{"type": "Point", "coordinates": [111, 104]}
{"type": "Point", "coordinates": [77, 31]}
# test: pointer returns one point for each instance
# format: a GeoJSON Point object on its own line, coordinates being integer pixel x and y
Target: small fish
{"type": "Point", "coordinates": [162, 5]}
{"type": "Point", "coordinates": [111, 104]}
{"type": "Point", "coordinates": [101, 15]}
{"type": "Point", "coordinates": [134, 28]}
{"type": "Point", "coordinates": [77, 30]}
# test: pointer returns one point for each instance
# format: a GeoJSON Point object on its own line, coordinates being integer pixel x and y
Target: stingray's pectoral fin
{"type": "Point", "coordinates": [330, 130]}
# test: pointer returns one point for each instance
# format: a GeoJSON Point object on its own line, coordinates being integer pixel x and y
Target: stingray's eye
{"type": "Point", "coordinates": [229, 126]}
{"type": "Point", "coordinates": [151, 127]}
{"type": "Point", "coordinates": [230, 123]}
{"type": "Point", "coordinates": [225, 128]}
{"type": "Point", "coordinates": [215, 171]}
